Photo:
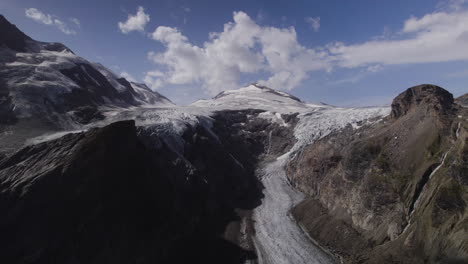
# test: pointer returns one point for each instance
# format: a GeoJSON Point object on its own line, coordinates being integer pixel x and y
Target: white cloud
{"type": "Point", "coordinates": [452, 4]}
{"type": "Point", "coordinates": [314, 23]}
{"type": "Point", "coordinates": [127, 76]}
{"type": "Point", "coordinates": [75, 21]}
{"type": "Point", "coordinates": [135, 22]}
{"type": "Point", "coordinates": [436, 37]}
{"type": "Point", "coordinates": [242, 47]}
{"type": "Point", "coordinates": [39, 16]}
{"type": "Point", "coordinates": [374, 68]}
{"type": "Point", "coordinates": [154, 79]}
{"type": "Point", "coordinates": [47, 19]}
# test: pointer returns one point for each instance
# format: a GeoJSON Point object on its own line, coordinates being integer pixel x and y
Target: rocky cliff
{"type": "Point", "coordinates": [392, 192]}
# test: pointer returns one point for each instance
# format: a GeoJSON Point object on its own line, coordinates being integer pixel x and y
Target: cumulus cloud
{"type": "Point", "coordinates": [436, 37]}
{"type": "Point", "coordinates": [242, 47]}
{"type": "Point", "coordinates": [52, 20]}
{"type": "Point", "coordinates": [154, 79]}
{"type": "Point", "coordinates": [314, 23]}
{"type": "Point", "coordinates": [127, 76]}
{"type": "Point", "coordinates": [245, 47]}
{"type": "Point", "coordinates": [135, 22]}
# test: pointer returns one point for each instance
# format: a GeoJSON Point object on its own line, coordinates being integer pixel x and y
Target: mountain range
{"type": "Point", "coordinates": [97, 169]}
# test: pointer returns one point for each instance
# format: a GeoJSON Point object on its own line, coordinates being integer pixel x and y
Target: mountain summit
{"type": "Point", "coordinates": [257, 96]}
{"type": "Point", "coordinates": [430, 97]}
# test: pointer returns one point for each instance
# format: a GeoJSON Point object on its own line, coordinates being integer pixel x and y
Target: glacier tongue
{"type": "Point", "coordinates": [278, 239]}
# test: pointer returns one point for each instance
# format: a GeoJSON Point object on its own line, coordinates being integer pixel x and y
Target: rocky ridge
{"type": "Point", "coordinates": [380, 193]}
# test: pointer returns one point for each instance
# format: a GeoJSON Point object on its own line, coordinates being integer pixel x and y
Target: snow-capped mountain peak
{"type": "Point", "coordinates": [256, 96]}
{"type": "Point", "coordinates": [47, 81]}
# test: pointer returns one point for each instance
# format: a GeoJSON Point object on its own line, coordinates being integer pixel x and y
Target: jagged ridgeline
{"type": "Point", "coordinates": [97, 169]}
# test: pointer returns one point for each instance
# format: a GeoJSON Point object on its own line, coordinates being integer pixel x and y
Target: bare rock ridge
{"type": "Point", "coordinates": [462, 100]}
{"type": "Point", "coordinates": [432, 97]}
{"type": "Point", "coordinates": [394, 192]}
{"type": "Point", "coordinates": [12, 37]}
{"type": "Point", "coordinates": [16, 40]}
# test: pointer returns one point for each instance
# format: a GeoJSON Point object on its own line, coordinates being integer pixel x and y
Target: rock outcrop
{"type": "Point", "coordinates": [462, 100]}
{"type": "Point", "coordinates": [12, 37]}
{"type": "Point", "coordinates": [393, 192]}
{"type": "Point", "coordinates": [430, 98]}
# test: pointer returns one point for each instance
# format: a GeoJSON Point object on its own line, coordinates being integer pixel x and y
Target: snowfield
{"type": "Point", "coordinates": [257, 97]}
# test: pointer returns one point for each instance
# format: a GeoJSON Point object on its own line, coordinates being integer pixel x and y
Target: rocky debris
{"type": "Point", "coordinates": [433, 98]}
{"type": "Point", "coordinates": [462, 100]}
{"type": "Point", "coordinates": [391, 192]}
{"type": "Point", "coordinates": [86, 114]}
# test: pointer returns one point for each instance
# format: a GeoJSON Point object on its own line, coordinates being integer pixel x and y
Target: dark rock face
{"type": "Point", "coordinates": [431, 97]}
{"type": "Point", "coordinates": [392, 192]}
{"type": "Point", "coordinates": [123, 194]}
{"type": "Point", "coordinates": [7, 115]}
{"type": "Point", "coordinates": [12, 37]}
{"type": "Point", "coordinates": [110, 196]}
{"type": "Point", "coordinates": [95, 87]}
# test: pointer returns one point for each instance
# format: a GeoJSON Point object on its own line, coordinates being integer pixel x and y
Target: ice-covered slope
{"type": "Point", "coordinates": [256, 96]}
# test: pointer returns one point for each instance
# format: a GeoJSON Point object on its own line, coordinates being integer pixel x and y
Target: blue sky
{"type": "Point", "coordinates": [348, 53]}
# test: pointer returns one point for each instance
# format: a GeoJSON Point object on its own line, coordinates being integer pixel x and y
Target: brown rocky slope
{"type": "Point", "coordinates": [393, 192]}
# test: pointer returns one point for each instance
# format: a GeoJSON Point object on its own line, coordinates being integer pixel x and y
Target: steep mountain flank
{"type": "Point", "coordinates": [45, 86]}
{"type": "Point", "coordinates": [125, 194]}
{"type": "Point", "coordinates": [392, 192]}
{"type": "Point", "coordinates": [108, 196]}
